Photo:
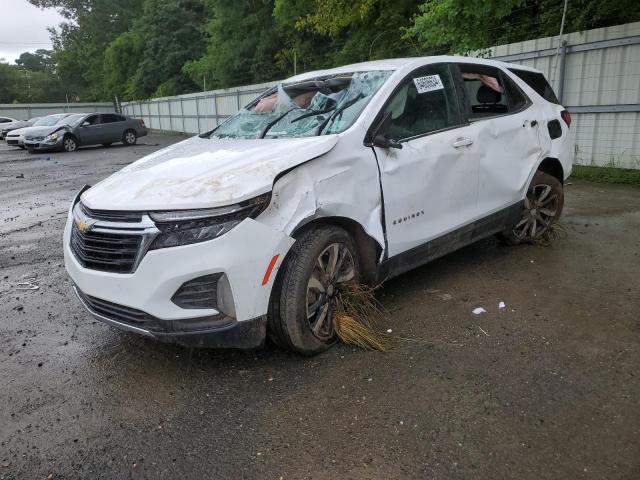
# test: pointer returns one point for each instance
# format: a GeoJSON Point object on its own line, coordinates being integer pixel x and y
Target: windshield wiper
{"type": "Point", "coordinates": [311, 114]}
{"type": "Point", "coordinates": [274, 121]}
{"type": "Point", "coordinates": [338, 111]}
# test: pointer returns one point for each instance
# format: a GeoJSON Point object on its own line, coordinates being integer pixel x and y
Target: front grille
{"type": "Point", "coordinates": [108, 252]}
{"type": "Point", "coordinates": [35, 139]}
{"type": "Point", "coordinates": [119, 313]}
{"type": "Point", "coordinates": [12, 142]}
{"type": "Point", "coordinates": [112, 215]}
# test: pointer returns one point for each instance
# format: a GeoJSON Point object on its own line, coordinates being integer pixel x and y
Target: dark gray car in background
{"type": "Point", "coordinates": [80, 129]}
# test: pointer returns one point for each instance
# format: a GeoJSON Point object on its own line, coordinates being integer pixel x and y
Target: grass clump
{"type": "Point", "coordinates": [606, 174]}
{"type": "Point", "coordinates": [358, 319]}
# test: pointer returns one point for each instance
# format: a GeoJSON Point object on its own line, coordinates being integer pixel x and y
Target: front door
{"type": "Point", "coordinates": [90, 132]}
{"type": "Point", "coordinates": [429, 185]}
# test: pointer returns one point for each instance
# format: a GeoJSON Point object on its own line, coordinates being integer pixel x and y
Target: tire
{"type": "Point", "coordinates": [301, 310]}
{"type": "Point", "coordinates": [106, 144]}
{"type": "Point", "coordinates": [129, 137]}
{"type": "Point", "coordinates": [541, 208]}
{"type": "Point", "coordinates": [21, 146]}
{"type": "Point", "coordinates": [69, 144]}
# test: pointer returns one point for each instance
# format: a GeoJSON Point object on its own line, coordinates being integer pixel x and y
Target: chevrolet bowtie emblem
{"type": "Point", "coordinates": [82, 225]}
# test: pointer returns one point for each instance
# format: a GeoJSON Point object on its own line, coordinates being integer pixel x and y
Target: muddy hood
{"type": "Point", "coordinates": [202, 173]}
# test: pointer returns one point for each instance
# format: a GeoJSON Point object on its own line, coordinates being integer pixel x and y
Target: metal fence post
{"type": "Point", "coordinates": [198, 112]}
{"type": "Point", "coordinates": [215, 110]}
{"type": "Point", "coordinates": [182, 114]}
{"type": "Point", "coordinates": [170, 116]}
{"type": "Point", "coordinates": [563, 66]}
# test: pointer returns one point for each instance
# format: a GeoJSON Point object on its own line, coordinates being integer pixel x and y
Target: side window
{"type": "Point", "coordinates": [93, 119]}
{"type": "Point", "coordinates": [111, 118]}
{"type": "Point", "coordinates": [538, 83]}
{"type": "Point", "coordinates": [489, 91]}
{"type": "Point", "coordinates": [425, 102]}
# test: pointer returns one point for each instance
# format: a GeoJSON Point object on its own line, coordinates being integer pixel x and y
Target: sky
{"type": "Point", "coordinates": [23, 27]}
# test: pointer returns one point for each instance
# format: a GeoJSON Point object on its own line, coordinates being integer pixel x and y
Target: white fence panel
{"type": "Point", "coordinates": [25, 111]}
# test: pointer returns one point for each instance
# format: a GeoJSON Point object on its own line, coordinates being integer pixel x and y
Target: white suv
{"type": "Point", "coordinates": [357, 173]}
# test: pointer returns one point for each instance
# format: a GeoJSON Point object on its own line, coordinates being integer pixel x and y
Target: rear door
{"type": "Point", "coordinates": [430, 184]}
{"type": "Point", "coordinates": [505, 124]}
{"type": "Point", "coordinates": [113, 126]}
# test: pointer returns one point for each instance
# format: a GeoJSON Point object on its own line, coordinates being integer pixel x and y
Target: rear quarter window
{"type": "Point", "coordinates": [538, 83]}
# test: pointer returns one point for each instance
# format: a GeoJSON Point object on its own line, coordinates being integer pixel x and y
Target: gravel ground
{"type": "Point", "coordinates": [545, 388]}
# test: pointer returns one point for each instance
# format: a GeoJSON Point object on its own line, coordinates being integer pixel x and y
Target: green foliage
{"type": "Point", "coordinates": [461, 25]}
{"type": "Point", "coordinates": [140, 48]}
{"type": "Point", "coordinates": [242, 42]}
{"type": "Point", "coordinates": [606, 174]}
{"type": "Point", "coordinates": [31, 79]}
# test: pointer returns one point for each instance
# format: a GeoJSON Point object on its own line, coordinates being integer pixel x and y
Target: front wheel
{"type": "Point", "coordinates": [542, 207]}
{"type": "Point", "coordinates": [69, 144]}
{"type": "Point", "coordinates": [303, 302]}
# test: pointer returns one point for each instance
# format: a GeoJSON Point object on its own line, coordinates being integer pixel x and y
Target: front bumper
{"type": "Point", "coordinates": [14, 141]}
{"type": "Point", "coordinates": [229, 333]}
{"type": "Point", "coordinates": [42, 145]}
{"type": "Point", "coordinates": [243, 255]}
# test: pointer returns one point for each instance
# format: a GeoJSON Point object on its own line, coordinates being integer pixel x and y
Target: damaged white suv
{"type": "Point", "coordinates": [358, 173]}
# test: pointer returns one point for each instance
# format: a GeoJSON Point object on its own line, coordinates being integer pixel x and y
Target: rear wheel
{"type": "Point", "coordinates": [69, 144]}
{"type": "Point", "coordinates": [301, 313]}
{"type": "Point", "coordinates": [129, 137]}
{"type": "Point", "coordinates": [542, 207]}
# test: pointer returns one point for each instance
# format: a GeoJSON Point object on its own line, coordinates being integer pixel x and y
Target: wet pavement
{"type": "Point", "coordinates": [547, 388]}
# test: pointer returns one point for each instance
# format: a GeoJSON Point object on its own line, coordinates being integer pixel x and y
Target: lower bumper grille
{"type": "Point", "coordinates": [119, 313]}
{"type": "Point", "coordinates": [108, 252]}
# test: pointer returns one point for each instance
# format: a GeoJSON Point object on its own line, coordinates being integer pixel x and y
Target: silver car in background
{"type": "Point", "coordinates": [80, 129]}
{"type": "Point", "coordinates": [6, 127]}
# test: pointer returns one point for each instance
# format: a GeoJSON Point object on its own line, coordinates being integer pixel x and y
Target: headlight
{"type": "Point", "coordinates": [51, 138]}
{"type": "Point", "coordinates": [184, 227]}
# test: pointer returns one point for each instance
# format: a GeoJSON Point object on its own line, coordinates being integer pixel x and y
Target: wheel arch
{"type": "Point", "coordinates": [369, 249]}
{"type": "Point", "coordinates": [553, 167]}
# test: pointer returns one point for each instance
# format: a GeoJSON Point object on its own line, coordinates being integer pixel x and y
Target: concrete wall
{"type": "Point", "coordinates": [596, 72]}
{"type": "Point", "coordinates": [25, 111]}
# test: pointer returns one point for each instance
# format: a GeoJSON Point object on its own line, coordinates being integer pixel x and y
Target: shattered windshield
{"type": "Point", "coordinates": [306, 108]}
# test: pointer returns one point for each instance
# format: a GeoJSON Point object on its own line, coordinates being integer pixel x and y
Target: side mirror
{"type": "Point", "coordinates": [85, 124]}
{"type": "Point", "coordinates": [379, 134]}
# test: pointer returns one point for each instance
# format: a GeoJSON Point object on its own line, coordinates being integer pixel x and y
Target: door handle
{"type": "Point", "coordinates": [462, 142]}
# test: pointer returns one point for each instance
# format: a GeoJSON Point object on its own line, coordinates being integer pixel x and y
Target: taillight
{"type": "Point", "coordinates": [142, 121]}
{"type": "Point", "coordinates": [566, 116]}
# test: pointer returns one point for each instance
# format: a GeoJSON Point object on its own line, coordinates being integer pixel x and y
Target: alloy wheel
{"type": "Point", "coordinates": [333, 267]}
{"type": "Point", "coordinates": [130, 138]}
{"type": "Point", "coordinates": [540, 209]}
{"type": "Point", "coordinates": [69, 144]}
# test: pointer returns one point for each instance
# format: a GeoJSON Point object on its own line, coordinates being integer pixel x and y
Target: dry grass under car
{"type": "Point", "coordinates": [358, 319]}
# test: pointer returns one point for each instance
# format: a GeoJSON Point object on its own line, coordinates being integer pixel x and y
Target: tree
{"type": "Point", "coordinates": [170, 32]}
{"type": "Point", "coordinates": [242, 41]}
{"type": "Point", "coordinates": [459, 26]}
{"type": "Point", "coordinates": [80, 43]}
{"type": "Point", "coordinates": [39, 61]}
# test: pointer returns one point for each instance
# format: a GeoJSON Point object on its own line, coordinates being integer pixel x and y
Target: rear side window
{"type": "Point", "coordinates": [111, 117]}
{"type": "Point", "coordinates": [538, 83]}
{"type": "Point", "coordinates": [487, 91]}
{"type": "Point", "coordinates": [425, 102]}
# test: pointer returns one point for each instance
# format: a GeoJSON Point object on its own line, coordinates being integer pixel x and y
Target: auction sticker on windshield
{"type": "Point", "coordinates": [428, 83]}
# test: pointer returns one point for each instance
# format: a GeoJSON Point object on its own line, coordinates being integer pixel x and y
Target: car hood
{"type": "Point", "coordinates": [42, 131]}
{"type": "Point", "coordinates": [18, 131]}
{"type": "Point", "coordinates": [13, 125]}
{"type": "Point", "coordinates": [202, 173]}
